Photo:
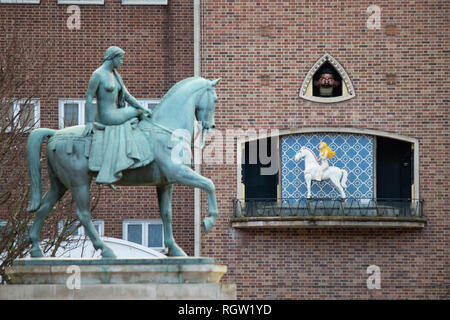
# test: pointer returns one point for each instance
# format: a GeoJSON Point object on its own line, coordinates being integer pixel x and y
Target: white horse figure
{"type": "Point", "coordinates": [337, 176]}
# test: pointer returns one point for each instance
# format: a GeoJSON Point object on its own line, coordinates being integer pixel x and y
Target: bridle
{"type": "Point", "coordinates": [306, 148]}
{"type": "Point", "coordinates": [204, 130]}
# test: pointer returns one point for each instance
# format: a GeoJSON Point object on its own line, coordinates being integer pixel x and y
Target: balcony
{"type": "Point", "coordinates": [298, 213]}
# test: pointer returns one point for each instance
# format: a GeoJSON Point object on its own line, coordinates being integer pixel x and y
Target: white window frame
{"type": "Point", "coordinates": [37, 112]}
{"type": "Point", "coordinates": [145, 102]}
{"type": "Point", "coordinates": [81, 2]}
{"type": "Point", "coordinates": [144, 224]}
{"type": "Point", "coordinates": [20, 1]}
{"type": "Point", "coordinates": [144, 2]}
{"type": "Point", "coordinates": [81, 108]}
{"type": "Point", "coordinates": [82, 231]}
{"type": "Point", "coordinates": [3, 223]}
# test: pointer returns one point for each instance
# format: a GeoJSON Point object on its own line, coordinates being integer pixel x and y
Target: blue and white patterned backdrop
{"type": "Point", "coordinates": [354, 153]}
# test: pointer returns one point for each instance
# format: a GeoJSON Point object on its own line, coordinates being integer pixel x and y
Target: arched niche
{"type": "Point", "coordinates": [346, 90]}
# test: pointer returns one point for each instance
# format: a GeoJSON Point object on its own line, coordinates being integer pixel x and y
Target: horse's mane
{"type": "Point", "coordinates": [311, 153]}
{"type": "Point", "coordinates": [175, 88]}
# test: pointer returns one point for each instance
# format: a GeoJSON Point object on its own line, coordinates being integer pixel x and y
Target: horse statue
{"type": "Point", "coordinates": [67, 161]}
{"type": "Point", "coordinates": [337, 176]}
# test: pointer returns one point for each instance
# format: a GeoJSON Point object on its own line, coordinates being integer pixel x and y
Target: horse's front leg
{"type": "Point", "coordinates": [188, 177]}
{"type": "Point", "coordinates": [308, 179]}
{"type": "Point", "coordinates": [165, 209]}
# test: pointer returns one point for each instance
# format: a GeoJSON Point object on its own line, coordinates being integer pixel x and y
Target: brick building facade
{"type": "Point", "coordinates": [263, 50]}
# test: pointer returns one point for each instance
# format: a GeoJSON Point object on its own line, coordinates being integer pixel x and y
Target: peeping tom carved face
{"type": "Point", "coordinates": [326, 80]}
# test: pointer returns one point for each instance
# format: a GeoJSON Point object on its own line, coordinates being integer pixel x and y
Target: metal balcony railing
{"type": "Point", "coordinates": [351, 207]}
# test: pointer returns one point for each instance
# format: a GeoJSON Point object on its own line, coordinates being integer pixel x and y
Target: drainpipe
{"type": "Point", "coordinates": [197, 151]}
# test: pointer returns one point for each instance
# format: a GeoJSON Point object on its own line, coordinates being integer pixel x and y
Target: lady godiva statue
{"type": "Point", "coordinates": [325, 154]}
{"type": "Point", "coordinates": [107, 85]}
{"type": "Point", "coordinates": [117, 143]}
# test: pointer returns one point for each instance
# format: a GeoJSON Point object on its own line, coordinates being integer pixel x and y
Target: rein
{"type": "Point", "coordinates": [306, 148]}
{"type": "Point", "coordinates": [172, 131]}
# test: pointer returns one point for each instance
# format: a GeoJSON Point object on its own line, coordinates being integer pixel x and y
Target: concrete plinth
{"type": "Point", "coordinates": [153, 278]}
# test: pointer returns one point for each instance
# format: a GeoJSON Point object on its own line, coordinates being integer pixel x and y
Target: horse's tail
{"type": "Point", "coordinates": [34, 145]}
{"type": "Point", "coordinates": [344, 179]}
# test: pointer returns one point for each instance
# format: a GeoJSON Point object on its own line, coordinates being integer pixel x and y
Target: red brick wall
{"type": "Point", "coordinates": [332, 263]}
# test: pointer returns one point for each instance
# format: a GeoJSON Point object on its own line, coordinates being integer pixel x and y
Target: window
{"type": "Point", "coordinates": [2, 228]}
{"type": "Point", "coordinates": [98, 224]}
{"type": "Point", "coordinates": [147, 103]}
{"type": "Point", "coordinates": [25, 114]}
{"type": "Point", "coordinates": [327, 82]}
{"type": "Point", "coordinates": [81, 1]}
{"type": "Point", "coordinates": [21, 232]}
{"type": "Point", "coordinates": [394, 168]}
{"type": "Point", "coordinates": [20, 1]}
{"type": "Point", "coordinates": [144, 2]}
{"type": "Point", "coordinates": [71, 112]}
{"type": "Point", "coordinates": [149, 233]}
{"type": "Point", "coordinates": [258, 183]}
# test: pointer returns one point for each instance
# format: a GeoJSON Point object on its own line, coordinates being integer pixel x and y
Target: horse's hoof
{"type": "Point", "coordinates": [208, 223]}
{"type": "Point", "coordinates": [176, 251]}
{"type": "Point", "coordinates": [36, 253]}
{"type": "Point", "coordinates": [108, 253]}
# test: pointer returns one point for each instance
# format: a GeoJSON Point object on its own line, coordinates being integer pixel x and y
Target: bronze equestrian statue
{"type": "Point", "coordinates": [125, 146]}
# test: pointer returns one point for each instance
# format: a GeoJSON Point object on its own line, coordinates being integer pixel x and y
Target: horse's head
{"type": "Point", "coordinates": [300, 154]}
{"type": "Point", "coordinates": [206, 106]}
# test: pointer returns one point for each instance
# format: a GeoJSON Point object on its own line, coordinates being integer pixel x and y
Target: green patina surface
{"type": "Point", "coordinates": [112, 261]}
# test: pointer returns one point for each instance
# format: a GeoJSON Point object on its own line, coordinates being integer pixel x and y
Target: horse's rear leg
{"type": "Point", "coordinates": [82, 199]}
{"type": "Point", "coordinates": [52, 196]}
{"type": "Point", "coordinates": [336, 182]}
{"type": "Point", "coordinates": [165, 209]}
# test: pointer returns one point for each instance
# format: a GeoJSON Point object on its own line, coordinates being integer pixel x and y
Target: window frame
{"type": "Point", "coordinates": [20, 1]}
{"type": "Point", "coordinates": [144, 2]}
{"type": "Point", "coordinates": [37, 113]}
{"type": "Point", "coordinates": [376, 133]}
{"type": "Point", "coordinates": [144, 225]}
{"type": "Point", "coordinates": [82, 2]}
{"type": "Point", "coordinates": [146, 102]}
{"type": "Point", "coordinates": [82, 231]}
{"type": "Point", "coordinates": [81, 110]}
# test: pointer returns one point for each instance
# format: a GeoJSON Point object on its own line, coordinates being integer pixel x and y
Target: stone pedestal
{"type": "Point", "coordinates": [150, 278]}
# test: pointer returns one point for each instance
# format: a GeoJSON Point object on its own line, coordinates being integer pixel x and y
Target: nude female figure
{"type": "Point", "coordinates": [106, 84]}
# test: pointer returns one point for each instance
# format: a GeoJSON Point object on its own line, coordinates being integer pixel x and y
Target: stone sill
{"type": "Point", "coordinates": [328, 221]}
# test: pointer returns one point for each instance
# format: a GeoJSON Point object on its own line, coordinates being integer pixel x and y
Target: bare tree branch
{"type": "Point", "coordinates": [24, 67]}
